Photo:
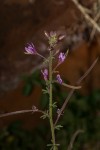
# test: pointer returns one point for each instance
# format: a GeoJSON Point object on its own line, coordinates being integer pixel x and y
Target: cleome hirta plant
{"type": "Point", "coordinates": [51, 76]}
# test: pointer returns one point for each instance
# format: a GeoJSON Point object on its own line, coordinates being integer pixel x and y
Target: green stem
{"type": "Point", "coordinates": [50, 102]}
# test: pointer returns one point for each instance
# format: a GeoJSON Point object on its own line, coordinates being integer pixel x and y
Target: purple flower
{"type": "Point", "coordinates": [30, 49]}
{"type": "Point", "coordinates": [45, 74]}
{"type": "Point", "coordinates": [59, 79]}
{"type": "Point", "coordinates": [61, 57]}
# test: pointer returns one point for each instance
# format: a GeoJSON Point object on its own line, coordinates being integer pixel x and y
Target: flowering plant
{"type": "Point", "coordinates": [48, 74]}
{"type": "Point", "coordinates": [51, 75]}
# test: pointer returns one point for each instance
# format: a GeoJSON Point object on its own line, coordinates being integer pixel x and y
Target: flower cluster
{"type": "Point", "coordinates": [30, 49]}
{"type": "Point", "coordinates": [61, 57]}
{"type": "Point", "coordinates": [59, 78]}
{"type": "Point", "coordinates": [52, 37]}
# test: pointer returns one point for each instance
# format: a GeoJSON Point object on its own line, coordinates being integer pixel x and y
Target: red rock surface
{"type": "Point", "coordinates": [21, 22]}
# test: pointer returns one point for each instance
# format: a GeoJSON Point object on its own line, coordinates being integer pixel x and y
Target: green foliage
{"type": "Point", "coordinates": [45, 115]}
{"type": "Point", "coordinates": [30, 81]}
{"type": "Point", "coordinates": [14, 137]}
{"type": "Point", "coordinates": [82, 112]}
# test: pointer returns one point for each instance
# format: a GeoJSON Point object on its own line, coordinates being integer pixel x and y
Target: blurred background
{"type": "Point", "coordinates": [24, 21]}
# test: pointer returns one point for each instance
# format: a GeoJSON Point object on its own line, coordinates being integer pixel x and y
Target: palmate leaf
{"type": "Point", "coordinates": [58, 127]}
{"type": "Point", "coordinates": [44, 91]}
{"type": "Point", "coordinates": [50, 145]}
{"type": "Point", "coordinates": [45, 115]}
{"type": "Point", "coordinates": [54, 105]}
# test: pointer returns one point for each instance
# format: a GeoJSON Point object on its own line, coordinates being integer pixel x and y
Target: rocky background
{"type": "Point", "coordinates": [23, 21]}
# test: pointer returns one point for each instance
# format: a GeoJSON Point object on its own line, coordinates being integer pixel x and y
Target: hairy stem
{"type": "Point", "coordinates": [50, 102]}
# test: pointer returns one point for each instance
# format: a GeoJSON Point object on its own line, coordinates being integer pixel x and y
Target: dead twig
{"type": "Point", "coordinates": [94, 29]}
{"type": "Point", "coordinates": [73, 139]}
{"type": "Point", "coordinates": [87, 17]}
{"type": "Point", "coordinates": [34, 109]}
{"type": "Point", "coordinates": [68, 86]}
{"type": "Point", "coordinates": [15, 113]}
{"type": "Point", "coordinates": [72, 91]}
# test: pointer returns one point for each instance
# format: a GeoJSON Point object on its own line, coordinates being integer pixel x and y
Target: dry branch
{"type": "Point", "coordinates": [72, 91]}
{"type": "Point", "coordinates": [87, 17]}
